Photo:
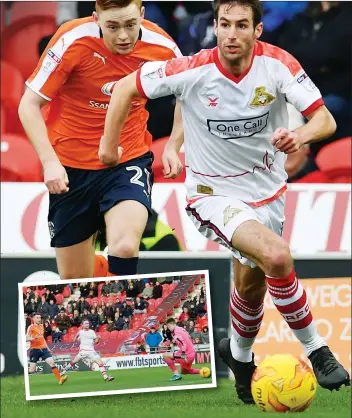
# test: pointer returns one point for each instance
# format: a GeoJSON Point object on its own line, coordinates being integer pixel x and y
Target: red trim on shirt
{"type": "Point", "coordinates": [227, 73]}
{"type": "Point", "coordinates": [139, 84]}
{"type": "Point", "coordinates": [269, 199]}
{"type": "Point", "coordinates": [313, 107]}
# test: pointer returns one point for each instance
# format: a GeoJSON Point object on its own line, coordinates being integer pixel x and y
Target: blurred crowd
{"type": "Point", "coordinates": [120, 300]}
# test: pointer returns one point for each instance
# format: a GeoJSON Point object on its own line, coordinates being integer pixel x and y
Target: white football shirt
{"type": "Point", "coordinates": [229, 121]}
{"type": "Point", "coordinates": [87, 339]}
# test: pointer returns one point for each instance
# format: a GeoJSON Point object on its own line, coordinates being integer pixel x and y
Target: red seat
{"type": "Point", "coordinates": [114, 334]}
{"type": "Point", "coordinates": [100, 286]}
{"type": "Point", "coordinates": [72, 330]}
{"type": "Point", "coordinates": [19, 161]}
{"type": "Point", "coordinates": [67, 292]}
{"type": "Point", "coordinates": [20, 41]}
{"type": "Point", "coordinates": [144, 317]}
{"type": "Point", "coordinates": [170, 312]}
{"type": "Point", "coordinates": [178, 304]}
{"type": "Point", "coordinates": [106, 335]}
{"type": "Point", "coordinates": [66, 338]}
{"type": "Point", "coordinates": [12, 88]}
{"type": "Point", "coordinates": [89, 300]}
{"type": "Point", "coordinates": [49, 339]}
{"type": "Point", "coordinates": [197, 281]}
{"type": "Point", "coordinates": [59, 298]}
{"type": "Point", "coordinates": [23, 10]}
{"type": "Point", "coordinates": [3, 126]}
{"type": "Point", "coordinates": [103, 328]}
{"type": "Point", "coordinates": [190, 290]}
{"type": "Point", "coordinates": [335, 159]}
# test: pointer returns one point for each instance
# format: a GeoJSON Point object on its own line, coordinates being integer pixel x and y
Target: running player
{"type": "Point", "coordinates": [88, 338]}
{"type": "Point", "coordinates": [184, 356]}
{"type": "Point", "coordinates": [236, 139]}
{"type": "Point", "coordinates": [76, 74]}
{"type": "Point", "coordinates": [39, 348]}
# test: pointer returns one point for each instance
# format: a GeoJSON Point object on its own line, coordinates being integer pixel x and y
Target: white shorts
{"type": "Point", "coordinates": [218, 217]}
{"type": "Point", "coordinates": [88, 355]}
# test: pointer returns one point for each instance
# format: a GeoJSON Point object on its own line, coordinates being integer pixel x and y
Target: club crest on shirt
{"type": "Point", "coordinates": [261, 97]}
{"type": "Point", "coordinates": [230, 213]}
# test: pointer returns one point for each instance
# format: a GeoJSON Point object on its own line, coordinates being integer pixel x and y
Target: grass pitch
{"type": "Point", "coordinates": [220, 402]}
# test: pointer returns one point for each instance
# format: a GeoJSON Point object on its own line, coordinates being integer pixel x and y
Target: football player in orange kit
{"type": "Point", "coordinates": [76, 74]}
{"type": "Point", "coordinates": [39, 349]}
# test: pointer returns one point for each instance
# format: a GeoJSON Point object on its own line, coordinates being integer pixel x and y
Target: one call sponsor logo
{"type": "Point", "coordinates": [240, 128]}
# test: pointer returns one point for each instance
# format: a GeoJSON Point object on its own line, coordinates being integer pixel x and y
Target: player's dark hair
{"type": "Point", "coordinates": [170, 321]}
{"type": "Point", "coordinates": [112, 4]}
{"type": "Point", "coordinates": [38, 313]}
{"type": "Point", "coordinates": [255, 5]}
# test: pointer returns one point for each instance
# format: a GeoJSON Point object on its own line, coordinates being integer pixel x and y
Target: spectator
{"type": "Point", "coordinates": [109, 310]}
{"type": "Point", "coordinates": [126, 325]}
{"type": "Point", "coordinates": [205, 336]}
{"type": "Point", "coordinates": [119, 323]}
{"type": "Point", "coordinates": [132, 289]}
{"type": "Point", "coordinates": [141, 348]}
{"type": "Point", "coordinates": [140, 285]}
{"type": "Point", "coordinates": [56, 335]}
{"type": "Point", "coordinates": [72, 306]}
{"type": "Point", "coordinates": [157, 291]}
{"type": "Point", "coordinates": [49, 296]}
{"type": "Point", "coordinates": [189, 303]}
{"type": "Point", "coordinates": [147, 292]}
{"type": "Point", "coordinates": [103, 306]}
{"type": "Point", "coordinates": [184, 315]}
{"type": "Point", "coordinates": [53, 309]}
{"type": "Point", "coordinates": [27, 320]}
{"type": "Point", "coordinates": [117, 287]}
{"type": "Point", "coordinates": [82, 305]}
{"type": "Point", "coordinates": [56, 288]}
{"type": "Point", "coordinates": [95, 306]}
{"type": "Point", "coordinates": [76, 320]}
{"type": "Point", "coordinates": [197, 340]}
{"type": "Point", "coordinates": [28, 308]}
{"type": "Point", "coordinates": [140, 306]}
{"type": "Point", "coordinates": [93, 290]}
{"type": "Point", "coordinates": [85, 314]}
{"type": "Point", "coordinates": [43, 307]}
{"type": "Point", "coordinates": [118, 302]}
{"type": "Point", "coordinates": [200, 308]}
{"type": "Point", "coordinates": [153, 339]}
{"type": "Point", "coordinates": [29, 294]}
{"type": "Point", "coordinates": [166, 333]}
{"type": "Point", "coordinates": [84, 290]}
{"type": "Point", "coordinates": [106, 289]}
{"type": "Point", "coordinates": [190, 327]}
{"type": "Point", "coordinates": [102, 318]}
{"type": "Point", "coordinates": [196, 334]}
{"type": "Point", "coordinates": [126, 311]}
{"type": "Point", "coordinates": [47, 329]}
{"type": "Point", "coordinates": [94, 320]}
{"type": "Point", "coordinates": [111, 325]}
{"type": "Point", "coordinates": [63, 321]}
{"type": "Point", "coordinates": [37, 300]}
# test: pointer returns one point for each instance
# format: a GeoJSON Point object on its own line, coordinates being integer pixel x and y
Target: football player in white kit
{"type": "Point", "coordinates": [88, 338]}
{"type": "Point", "coordinates": [236, 138]}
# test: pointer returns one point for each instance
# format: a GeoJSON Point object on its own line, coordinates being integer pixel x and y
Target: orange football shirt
{"type": "Point", "coordinates": [37, 331]}
{"type": "Point", "coordinates": [77, 73]}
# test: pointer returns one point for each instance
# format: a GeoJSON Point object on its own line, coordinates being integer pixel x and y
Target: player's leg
{"type": "Point", "coordinates": [73, 221]}
{"type": "Point", "coordinates": [246, 310]}
{"type": "Point", "coordinates": [186, 366]}
{"type": "Point", "coordinates": [170, 360]}
{"type": "Point", "coordinates": [96, 359]}
{"type": "Point", "coordinates": [49, 359]}
{"type": "Point", "coordinates": [125, 224]}
{"type": "Point", "coordinates": [71, 364]}
{"type": "Point", "coordinates": [126, 204]}
{"type": "Point", "coordinates": [33, 359]}
{"type": "Point", "coordinates": [272, 254]}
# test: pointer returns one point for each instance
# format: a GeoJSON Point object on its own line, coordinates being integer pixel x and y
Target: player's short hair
{"type": "Point", "coordinates": [170, 321]}
{"type": "Point", "coordinates": [112, 4]}
{"type": "Point", "coordinates": [38, 313]}
{"type": "Point", "coordinates": [255, 5]}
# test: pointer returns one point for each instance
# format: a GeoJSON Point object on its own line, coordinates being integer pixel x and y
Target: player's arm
{"type": "Point", "coordinates": [170, 159]}
{"type": "Point", "coordinates": [300, 91]}
{"type": "Point", "coordinates": [30, 335]}
{"type": "Point", "coordinates": [51, 73]}
{"type": "Point", "coordinates": [153, 80]}
{"type": "Point", "coordinates": [124, 92]}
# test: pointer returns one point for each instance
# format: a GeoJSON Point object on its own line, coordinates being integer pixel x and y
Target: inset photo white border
{"type": "Point", "coordinates": [212, 384]}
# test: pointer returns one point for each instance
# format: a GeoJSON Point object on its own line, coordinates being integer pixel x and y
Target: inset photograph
{"type": "Point", "coordinates": [144, 333]}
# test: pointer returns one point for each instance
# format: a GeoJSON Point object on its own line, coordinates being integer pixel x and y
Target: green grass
{"type": "Point", "coordinates": [220, 402]}
{"type": "Point", "coordinates": [79, 382]}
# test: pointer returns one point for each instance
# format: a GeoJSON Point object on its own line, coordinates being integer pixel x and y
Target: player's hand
{"type": "Point", "coordinates": [286, 141]}
{"type": "Point", "coordinates": [55, 177]}
{"type": "Point", "coordinates": [171, 163]}
{"type": "Point", "coordinates": [107, 156]}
